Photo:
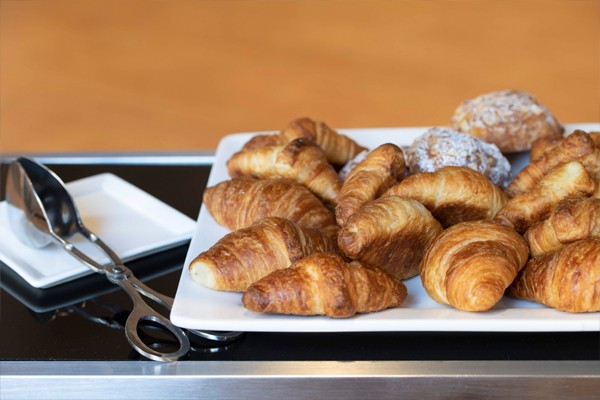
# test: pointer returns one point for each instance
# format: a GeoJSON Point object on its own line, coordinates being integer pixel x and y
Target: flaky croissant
{"type": "Point", "coordinates": [239, 202]}
{"type": "Point", "coordinates": [339, 148]}
{"type": "Point", "coordinates": [242, 257]}
{"type": "Point", "coordinates": [390, 233]}
{"type": "Point", "coordinates": [300, 160]}
{"type": "Point", "coordinates": [542, 145]}
{"type": "Point", "coordinates": [567, 180]}
{"type": "Point", "coordinates": [452, 194]}
{"type": "Point", "coordinates": [380, 169]}
{"type": "Point", "coordinates": [591, 162]}
{"type": "Point", "coordinates": [471, 264]}
{"type": "Point", "coordinates": [567, 279]}
{"type": "Point", "coordinates": [324, 284]}
{"type": "Point", "coordinates": [261, 141]}
{"type": "Point", "coordinates": [573, 219]}
{"type": "Point", "coordinates": [574, 147]}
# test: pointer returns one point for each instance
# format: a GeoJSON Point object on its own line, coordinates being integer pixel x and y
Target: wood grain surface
{"type": "Point", "coordinates": [178, 75]}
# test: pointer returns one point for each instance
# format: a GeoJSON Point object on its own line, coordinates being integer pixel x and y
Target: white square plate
{"type": "Point", "coordinates": [197, 307]}
{"type": "Point", "coordinates": [129, 220]}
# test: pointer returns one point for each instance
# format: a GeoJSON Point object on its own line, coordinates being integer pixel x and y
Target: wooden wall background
{"type": "Point", "coordinates": [179, 74]}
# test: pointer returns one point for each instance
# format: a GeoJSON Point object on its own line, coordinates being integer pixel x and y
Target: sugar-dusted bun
{"type": "Point", "coordinates": [511, 119]}
{"type": "Point", "coordinates": [443, 147]}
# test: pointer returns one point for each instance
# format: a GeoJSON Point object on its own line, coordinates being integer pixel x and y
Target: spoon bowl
{"type": "Point", "coordinates": [26, 214]}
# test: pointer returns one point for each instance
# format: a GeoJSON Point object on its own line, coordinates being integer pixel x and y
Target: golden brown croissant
{"type": "Point", "coordinates": [452, 194]}
{"type": "Point", "coordinates": [260, 141]}
{"type": "Point", "coordinates": [567, 180]}
{"type": "Point", "coordinates": [542, 145]}
{"type": "Point", "coordinates": [242, 257]}
{"type": "Point", "coordinates": [567, 279]}
{"type": "Point", "coordinates": [390, 233]}
{"type": "Point", "coordinates": [300, 160]}
{"type": "Point", "coordinates": [324, 284]}
{"type": "Point", "coordinates": [339, 148]}
{"type": "Point", "coordinates": [573, 219]}
{"type": "Point", "coordinates": [380, 169]}
{"type": "Point", "coordinates": [471, 264]}
{"type": "Point", "coordinates": [239, 202]}
{"type": "Point", "coordinates": [591, 162]}
{"type": "Point", "coordinates": [574, 147]}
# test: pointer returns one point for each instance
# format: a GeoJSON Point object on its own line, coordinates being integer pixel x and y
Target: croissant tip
{"type": "Point", "coordinates": [201, 272]}
{"type": "Point", "coordinates": [257, 299]}
{"type": "Point", "coordinates": [482, 297]}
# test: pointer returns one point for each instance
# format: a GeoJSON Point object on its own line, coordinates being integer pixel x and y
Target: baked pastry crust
{"type": "Point", "coordinates": [300, 160]}
{"type": "Point", "coordinates": [566, 180]}
{"type": "Point", "coordinates": [542, 145]}
{"type": "Point", "coordinates": [338, 148]}
{"type": "Point", "coordinates": [573, 219]}
{"type": "Point", "coordinates": [261, 141]}
{"type": "Point", "coordinates": [511, 119]}
{"type": "Point", "coordinates": [471, 264]}
{"type": "Point", "coordinates": [567, 279]}
{"type": "Point", "coordinates": [242, 257]}
{"type": "Point", "coordinates": [452, 194]}
{"type": "Point", "coordinates": [391, 233]}
{"type": "Point", "coordinates": [324, 284]}
{"type": "Point", "coordinates": [239, 202]}
{"type": "Point", "coordinates": [441, 147]}
{"type": "Point", "coordinates": [577, 146]}
{"type": "Point", "coordinates": [380, 169]}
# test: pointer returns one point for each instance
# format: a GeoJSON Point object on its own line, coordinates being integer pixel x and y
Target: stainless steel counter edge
{"type": "Point", "coordinates": [299, 380]}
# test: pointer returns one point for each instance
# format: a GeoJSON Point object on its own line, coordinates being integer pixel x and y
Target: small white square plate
{"type": "Point", "coordinates": [197, 307]}
{"type": "Point", "coordinates": [129, 220]}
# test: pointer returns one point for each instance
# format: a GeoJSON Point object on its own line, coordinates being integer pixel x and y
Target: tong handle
{"type": "Point", "coordinates": [92, 237]}
{"type": "Point", "coordinates": [121, 275]}
{"type": "Point", "coordinates": [84, 258]}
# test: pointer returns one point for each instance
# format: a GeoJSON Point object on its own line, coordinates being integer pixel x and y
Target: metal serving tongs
{"type": "Point", "coordinates": [41, 211]}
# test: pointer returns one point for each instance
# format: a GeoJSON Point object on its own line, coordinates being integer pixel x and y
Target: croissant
{"type": "Point", "coordinates": [381, 168]}
{"type": "Point", "coordinates": [391, 233]}
{"type": "Point", "coordinates": [242, 257]}
{"type": "Point", "coordinates": [567, 180]}
{"type": "Point", "coordinates": [574, 147]}
{"type": "Point", "coordinates": [300, 160]}
{"type": "Point", "coordinates": [542, 145]}
{"type": "Point", "coordinates": [324, 284]}
{"type": "Point", "coordinates": [452, 194]}
{"type": "Point", "coordinates": [339, 148]}
{"type": "Point", "coordinates": [261, 141]}
{"type": "Point", "coordinates": [567, 279]}
{"type": "Point", "coordinates": [573, 219]}
{"type": "Point", "coordinates": [240, 202]}
{"type": "Point", "coordinates": [591, 162]}
{"type": "Point", "coordinates": [471, 264]}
